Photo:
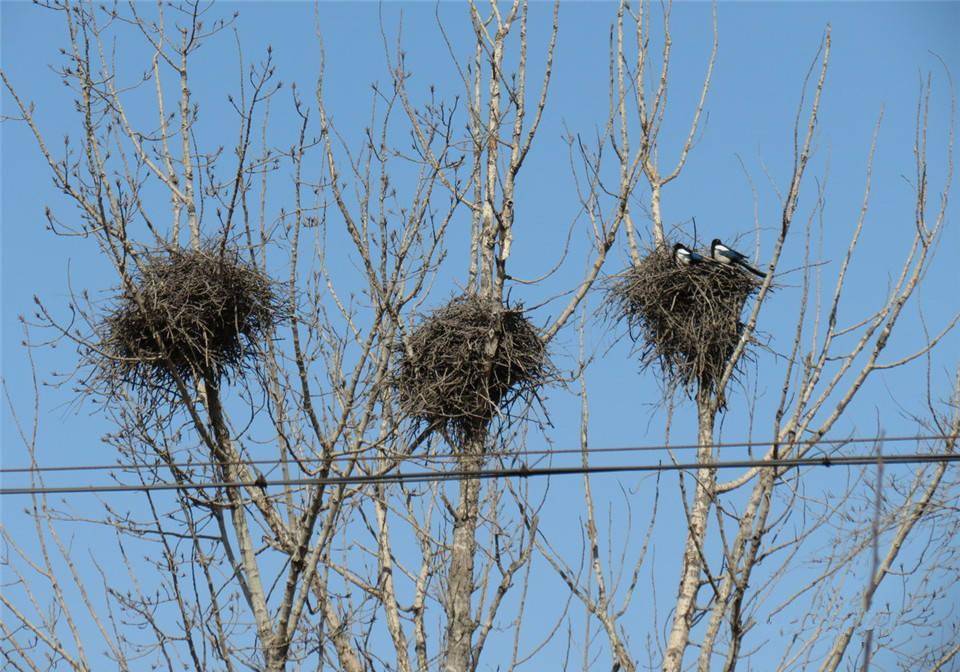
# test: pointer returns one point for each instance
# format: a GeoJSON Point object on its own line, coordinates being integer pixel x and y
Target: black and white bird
{"type": "Point", "coordinates": [684, 256]}
{"type": "Point", "coordinates": [725, 255]}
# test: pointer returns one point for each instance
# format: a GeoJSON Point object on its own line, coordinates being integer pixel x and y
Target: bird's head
{"type": "Point", "coordinates": [716, 241]}
{"type": "Point", "coordinates": [678, 247]}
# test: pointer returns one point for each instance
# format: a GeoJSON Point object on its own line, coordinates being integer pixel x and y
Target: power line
{"type": "Point", "coordinates": [519, 472]}
{"type": "Point", "coordinates": [403, 457]}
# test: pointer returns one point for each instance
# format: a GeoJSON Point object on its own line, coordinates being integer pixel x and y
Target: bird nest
{"type": "Point", "coordinates": [686, 319]}
{"type": "Point", "coordinates": [186, 314]}
{"type": "Point", "coordinates": [467, 362]}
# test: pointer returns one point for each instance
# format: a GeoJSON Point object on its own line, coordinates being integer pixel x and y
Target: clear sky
{"type": "Point", "coordinates": [882, 52]}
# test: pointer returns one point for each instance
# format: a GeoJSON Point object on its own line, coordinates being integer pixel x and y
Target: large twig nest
{"type": "Point", "coordinates": [686, 319]}
{"type": "Point", "coordinates": [467, 362]}
{"type": "Point", "coordinates": [186, 314]}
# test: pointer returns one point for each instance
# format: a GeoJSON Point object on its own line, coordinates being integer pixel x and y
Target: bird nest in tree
{"type": "Point", "coordinates": [684, 318]}
{"type": "Point", "coordinates": [187, 314]}
{"type": "Point", "coordinates": [467, 362]}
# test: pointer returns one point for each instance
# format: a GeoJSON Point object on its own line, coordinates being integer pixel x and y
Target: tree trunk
{"type": "Point", "coordinates": [274, 648]}
{"type": "Point", "coordinates": [460, 580]}
{"type": "Point", "coordinates": [696, 535]}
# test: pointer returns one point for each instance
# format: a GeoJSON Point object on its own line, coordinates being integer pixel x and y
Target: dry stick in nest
{"type": "Point", "coordinates": [468, 361]}
{"type": "Point", "coordinates": [686, 319]}
{"type": "Point", "coordinates": [185, 312]}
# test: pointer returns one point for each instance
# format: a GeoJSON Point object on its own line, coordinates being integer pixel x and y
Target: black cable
{"type": "Point", "coordinates": [349, 455]}
{"type": "Point", "coordinates": [521, 472]}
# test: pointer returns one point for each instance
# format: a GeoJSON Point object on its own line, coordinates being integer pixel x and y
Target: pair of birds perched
{"type": "Point", "coordinates": [719, 253]}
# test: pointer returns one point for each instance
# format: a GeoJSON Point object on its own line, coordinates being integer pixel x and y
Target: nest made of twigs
{"type": "Point", "coordinates": [467, 362]}
{"type": "Point", "coordinates": [686, 319]}
{"type": "Point", "coordinates": [186, 314]}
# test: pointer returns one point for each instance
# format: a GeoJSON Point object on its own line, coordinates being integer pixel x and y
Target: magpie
{"type": "Point", "coordinates": [725, 255]}
{"type": "Point", "coordinates": [684, 256]}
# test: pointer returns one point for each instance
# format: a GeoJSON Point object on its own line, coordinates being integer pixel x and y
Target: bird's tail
{"type": "Point", "coordinates": [756, 272]}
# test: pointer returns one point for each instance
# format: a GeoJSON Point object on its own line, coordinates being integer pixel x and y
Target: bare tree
{"type": "Point", "coordinates": [287, 539]}
{"type": "Point", "coordinates": [718, 585]}
{"type": "Point", "coordinates": [312, 376]}
{"type": "Point", "coordinates": [269, 552]}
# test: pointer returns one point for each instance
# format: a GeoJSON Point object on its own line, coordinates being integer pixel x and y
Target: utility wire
{"type": "Point", "coordinates": [519, 472]}
{"type": "Point", "coordinates": [403, 457]}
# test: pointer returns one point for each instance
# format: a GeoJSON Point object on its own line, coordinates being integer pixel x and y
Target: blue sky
{"type": "Point", "coordinates": [881, 54]}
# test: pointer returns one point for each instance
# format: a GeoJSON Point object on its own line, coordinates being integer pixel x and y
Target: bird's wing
{"type": "Point", "coordinates": [755, 271]}
{"type": "Point", "coordinates": [736, 256]}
